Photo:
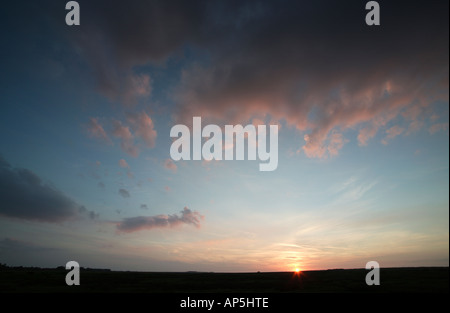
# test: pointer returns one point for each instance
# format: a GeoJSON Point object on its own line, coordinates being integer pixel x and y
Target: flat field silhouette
{"type": "Point", "coordinates": [419, 279]}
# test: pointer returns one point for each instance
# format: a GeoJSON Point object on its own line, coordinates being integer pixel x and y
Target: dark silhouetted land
{"type": "Point", "coordinates": [421, 279]}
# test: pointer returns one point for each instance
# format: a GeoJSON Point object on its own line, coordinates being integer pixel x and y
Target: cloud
{"type": "Point", "coordinates": [320, 82]}
{"type": "Point", "coordinates": [437, 127]}
{"type": "Point", "coordinates": [138, 123]}
{"type": "Point", "coordinates": [96, 130]}
{"type": "Point", "coordinates": [113, 43]}
{"type": "Point", "coordinates": [336, 143]}
{"type": "Point", "coordinates": [24, 195]}
{"type": "Point", "coordinates": [138, 223]}
{"type": "Point", "coordinates": [115, 80]}
{"type": "Point", "coordinates": [127, 141]}
{"type": "Point", "coordinates": [91, 214]}
{"type": "Point", "coordinates": [320, 148]}
{"type": "Point", "coordinates": [124, 193]}
{"type": "Point", "coordinates": [366, 134]}
{"type": "Point", "coordinates": [352, 189]}
{"type": "Point", "coordinates": [133, 87]}
{"type": "Point", "coordinates": [168, 164]}
{"type": "Point", "coordinates": [123, 163]}
{"type": "Point", "coordinates": [143, 127]}
{"type": "Point", "coordinates": [392, 132]}
{"type": "Point", "coordinates": [324, 77]}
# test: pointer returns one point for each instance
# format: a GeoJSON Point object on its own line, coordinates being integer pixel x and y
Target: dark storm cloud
{"type": "Point", "coordinates": [314, 64]}
{"type": "Point", "coordinates": [25, 196]}
{"type": "Point", "coordinates": [133, 224]}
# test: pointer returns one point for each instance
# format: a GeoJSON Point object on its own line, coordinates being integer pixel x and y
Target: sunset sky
{"type": "Point", "coordinates": [86, 113]}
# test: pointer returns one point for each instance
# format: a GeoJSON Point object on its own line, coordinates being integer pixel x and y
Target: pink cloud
{"type": "Point", "coordinates": [319, 147]}
{"type": "Point", "coordinates": [96, 130]}
{"type": "Point", "coordinates": [140, 127]}
{"type": "Point", "coordinates": [123, 163]}
{"type": "Point", "coordinates": [336, 143]}
{"type": "Point", "coordinates": [143, 127]}
{"type": "Point", "coordinates": [437, 127]}
{"type": "Point", "coordinates": [291, 79]}
{"type": "Point", "coordinates": [392, 132]}
{"type": "Point", "coordinates": [168, 164]}
{"type": "Point", "coordinates": [306, 94]}
{"type": "Point", "coordinates": [127, 141]}
{"type": "Point", "coordinates": [365, 134]}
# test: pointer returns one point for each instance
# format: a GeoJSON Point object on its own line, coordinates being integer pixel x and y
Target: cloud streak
{"type": "Point", "coordinates": [133, 224]}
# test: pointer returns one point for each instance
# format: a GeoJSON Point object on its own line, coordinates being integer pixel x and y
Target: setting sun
{"type": "Point", "coordinates": [297, 270]}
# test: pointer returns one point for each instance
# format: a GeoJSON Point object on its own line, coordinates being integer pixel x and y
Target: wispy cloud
{"type": "Point", "coordinates": [437, 127]}
{"type": "Point", "coordinates": [353, 189]}
{"type": "Point", "coordinates": [391, 133]}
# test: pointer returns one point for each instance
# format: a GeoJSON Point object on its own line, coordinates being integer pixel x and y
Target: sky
{"type": "Point", "coordinates": [363, 139]}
